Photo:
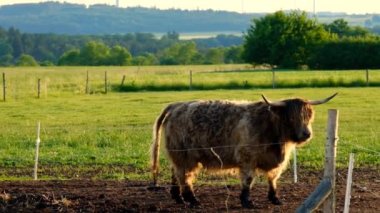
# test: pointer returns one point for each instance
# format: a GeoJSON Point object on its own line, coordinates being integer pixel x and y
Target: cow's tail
{"type": "Point", "coordinates": [155, 149]}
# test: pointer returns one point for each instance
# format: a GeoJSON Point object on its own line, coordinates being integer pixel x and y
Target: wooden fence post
{"type": "Point", "coordinates": [367, 77]}
{"type": "Point", "coordinates": [122, 81]}
{"type": "Point", "coordinates": [4, 87]}
{"type": "Point", "coordinates": [325, 192]}
{"type": "Point", "coordinates": [191, 80]}
{"type": "Point", "coordinates": [38, 88]}
{"type": "Point", "coordinates": [329, 173]}
{"type": "Point", "coordinates": [87, 79]}
{"type": "Point", "coordinates": [105, 83]}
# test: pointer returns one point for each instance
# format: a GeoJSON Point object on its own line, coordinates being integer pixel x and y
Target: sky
{"type": "Point", "coordinates": [241, 6]}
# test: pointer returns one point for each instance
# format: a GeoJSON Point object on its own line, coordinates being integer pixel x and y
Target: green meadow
{"type": "Point", "coordinates": [108, 136]}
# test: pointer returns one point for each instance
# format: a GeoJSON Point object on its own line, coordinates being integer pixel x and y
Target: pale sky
{"type": "Point", "coordinates": [348, 6]}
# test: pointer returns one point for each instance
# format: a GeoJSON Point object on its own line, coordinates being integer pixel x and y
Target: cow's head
{"type": "Point", "coordinates": [296, 116]}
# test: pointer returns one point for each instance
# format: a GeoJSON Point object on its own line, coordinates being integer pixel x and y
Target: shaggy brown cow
{"type": "Point", "coordinates": [248, 136]}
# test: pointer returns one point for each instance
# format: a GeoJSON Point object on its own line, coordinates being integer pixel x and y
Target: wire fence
{"type": "Point", "coordinates": [106, 153]}
{"type": "Point", "coordinates": [92, 144]}
{"type": "Point", "coordinates": [124, 168]}
{"type": "Point", "coordinates": [23, 84]}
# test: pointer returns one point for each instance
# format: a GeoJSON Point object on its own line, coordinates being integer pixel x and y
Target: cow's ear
{"type": "Point", "coordinates": [273, 104]}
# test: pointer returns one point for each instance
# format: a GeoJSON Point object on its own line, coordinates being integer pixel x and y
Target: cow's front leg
{"type": "Point", "coordinates": [272, 182]}
{"type": "Point", "coordinates": [246, 177]}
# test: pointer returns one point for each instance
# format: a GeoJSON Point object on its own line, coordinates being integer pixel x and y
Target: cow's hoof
{"type": "Point", "coordinates": [276, 201]}
{"type": "Point", "coordinates": [196, 204]}
{"type": "Point", "coordinates": [189, 197]}
{"type": "Point", "coordinates": [247, 204]}
{"type": "Point", "coordinates": [179, 200]}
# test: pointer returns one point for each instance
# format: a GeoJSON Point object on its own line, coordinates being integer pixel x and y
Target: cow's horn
{"type": "Point", "coordinates": [278, 103]}
{"type": "Point", "coordinates": [321, 101]}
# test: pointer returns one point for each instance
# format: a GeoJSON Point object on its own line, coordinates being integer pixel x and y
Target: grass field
{"type": "Point", "coordinates": [58, 81]}
{"type": "Point", "coordinates": [111, 133]}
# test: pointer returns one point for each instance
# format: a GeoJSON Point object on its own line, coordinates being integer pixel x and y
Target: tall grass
{"type": "Point", "coordinates": [109, 136]}
{"type": "Point", "coordinates": [249, 80]}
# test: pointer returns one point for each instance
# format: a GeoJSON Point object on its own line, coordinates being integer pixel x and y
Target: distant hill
{"type": "Point", "coordinates": [74, 19]}
{"type": "Point", "coordinates": [65, 18]}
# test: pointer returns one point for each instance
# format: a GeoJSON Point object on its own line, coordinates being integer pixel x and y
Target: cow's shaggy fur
{"type": "Point", "coordinates": [248, 136]}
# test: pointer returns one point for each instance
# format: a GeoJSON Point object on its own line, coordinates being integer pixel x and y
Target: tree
{"type": "Point", "coordinates": [179, 53]}
{"type": "Point", "coordinates": [70, 58]}
{"type": "Point", "coordinates": [119, 56]}
{"type": "Point", "coordinates": [341, 28]}
{"type": "Point", "coordinates": [233, 55]}
{"type": "Point", "coordinates": [6, 60]}
{"type": "Point", "coordinates": [5, 53]}
{"type": "Point", "coordinates": [145, 59]}
{"type": "Point", "coordinates": [14, 37]}
{"type": "Point", "coordinates": [94, 53]}
{"type": "Point", "coordinates": [282, 39]}
{"type": "Point", "coordinates": [214, 56]}
{"type": "Point", "coordinates": [26, 61]}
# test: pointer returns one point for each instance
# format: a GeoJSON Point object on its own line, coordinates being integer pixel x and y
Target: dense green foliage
{"type": "Point", "coordinates": [282, 39]}
{"type": "Point", "coordinates": [137, 48]}
{"type": "Point", "coordinates": [26, 61]}
{"type": "Point", "coordinates": [347, 53]}
{"type": "Point", "coordinates": [292, 40]}
{"type": "Point", "coordinates": [341, 28]}
{"type": "Point", "coordinates": [95, 53]}
{"type": "Point", "coordinates": [109, 135]}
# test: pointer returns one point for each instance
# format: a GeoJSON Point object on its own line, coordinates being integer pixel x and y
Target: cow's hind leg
{"type": "Point", "coordinates": [185, 179]}
{"type": "Point", "coordinates": [246, 177]}
{"type": "Point", "coordinates": [175, 190]}
{"type": "Point", "coordinates": [272, 181]}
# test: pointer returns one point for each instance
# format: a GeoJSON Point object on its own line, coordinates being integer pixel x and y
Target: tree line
{"type": "Point", "coordinates": [282, 40]}
{"type": "Point", "coordinates": [28, 49]}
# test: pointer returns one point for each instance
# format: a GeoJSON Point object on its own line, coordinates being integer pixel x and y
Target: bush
{"type": "Point", "coordinates": [347, 53]}
{"type": "Point", "coordinates": [26, 61]}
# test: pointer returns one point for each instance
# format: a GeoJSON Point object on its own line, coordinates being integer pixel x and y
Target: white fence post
{"type": "Point", "coordinates": [349, 183]}
{"type": "Point", "coordinates": [37, 151]}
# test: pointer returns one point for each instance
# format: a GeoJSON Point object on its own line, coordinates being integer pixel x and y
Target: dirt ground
{"type": "Point", "coordinates": [136, 196]}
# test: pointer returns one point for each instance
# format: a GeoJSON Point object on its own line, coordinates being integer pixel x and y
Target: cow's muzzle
{"type": "Point", "coordinates": [303, 136]}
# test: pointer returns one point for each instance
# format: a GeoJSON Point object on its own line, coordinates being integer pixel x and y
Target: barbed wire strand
{"type": "Point", "coordinates": [225, 180]}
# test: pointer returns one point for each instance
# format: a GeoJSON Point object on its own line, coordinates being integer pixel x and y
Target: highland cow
{"type": "Point", "coordinates": [251, 137]}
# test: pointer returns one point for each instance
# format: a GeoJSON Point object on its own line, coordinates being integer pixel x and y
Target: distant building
{"type": "Point", "coordinates": [117, 3]}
